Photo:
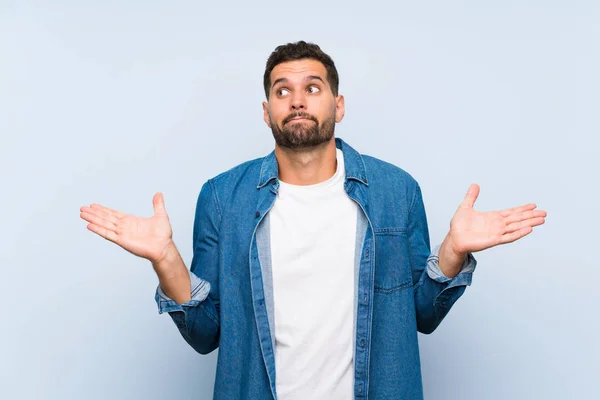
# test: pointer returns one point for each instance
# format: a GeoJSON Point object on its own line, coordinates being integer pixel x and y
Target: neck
{"type": "Point", "coordinates": [307, 166]}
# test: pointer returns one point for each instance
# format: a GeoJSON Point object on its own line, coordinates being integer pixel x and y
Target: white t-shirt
{"type": "Point", "coordinates": [313, 235]}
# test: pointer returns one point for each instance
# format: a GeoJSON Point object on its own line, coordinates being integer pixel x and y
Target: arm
{"type": "Point", "coordinates": [195, 308]}
{"type": "Point", "coordinates": [192, 302]}
{"type": "Point", "coordinates": [441, 277]}
{"type": "Point", "coordinates": [434, 292]}
{"type": "Point", "coordinates": [175, 281]}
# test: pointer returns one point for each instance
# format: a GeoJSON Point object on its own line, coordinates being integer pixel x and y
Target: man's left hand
{"type": "Point", "coordinates": [472, 230]}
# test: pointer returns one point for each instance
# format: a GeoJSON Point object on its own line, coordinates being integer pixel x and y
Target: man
{"type": "Point", "coordinates": [312, 270]}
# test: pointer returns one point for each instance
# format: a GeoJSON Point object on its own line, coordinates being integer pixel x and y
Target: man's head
{"type": "Point", "coordinates": [303, 105]}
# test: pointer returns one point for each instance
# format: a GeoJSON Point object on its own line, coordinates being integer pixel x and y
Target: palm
{"type": "Point", "coordinates": [473, 230]}
{"type": "Point", "coordinates": [144, 237]}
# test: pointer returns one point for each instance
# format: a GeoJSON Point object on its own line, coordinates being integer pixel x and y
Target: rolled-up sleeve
{"type": "Point", "coordinates": [198, 318]}
{"type": "Point", "coordinates": [199, 291]}
{"type": "Point", "coordinates": [434, 293]}
{"type": "Point", "coordinates": [462, 279]}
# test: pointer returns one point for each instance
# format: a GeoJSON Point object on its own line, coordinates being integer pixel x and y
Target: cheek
{"type": "Point", "coordinates": [322, 108]}
{"type": "Point", "coordinates": [277, 114]}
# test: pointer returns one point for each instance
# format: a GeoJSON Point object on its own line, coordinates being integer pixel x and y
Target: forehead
{"type": "Point", "coordinates": [298, 70]}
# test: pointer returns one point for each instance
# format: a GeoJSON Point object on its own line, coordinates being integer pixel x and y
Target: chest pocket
{"type": "Point", "coordinates": [392, 261]}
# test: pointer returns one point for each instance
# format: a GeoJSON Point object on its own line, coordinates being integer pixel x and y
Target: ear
{"type": "Point", "coordinates": [340, 108]}
{"type": "Point", "coordinates": [266, 113]}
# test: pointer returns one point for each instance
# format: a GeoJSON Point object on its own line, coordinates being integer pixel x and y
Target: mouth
{"type": "Point", "coordinates": [298, 119]}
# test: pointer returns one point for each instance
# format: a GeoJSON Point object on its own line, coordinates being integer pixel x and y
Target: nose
{"type": "Point", "coordinates": [298, 101]}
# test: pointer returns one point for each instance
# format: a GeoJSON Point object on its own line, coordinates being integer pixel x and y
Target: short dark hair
{"type": "Point", "coordinates": [299, 51]}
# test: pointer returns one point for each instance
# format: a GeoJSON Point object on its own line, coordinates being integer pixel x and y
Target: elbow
{"type": "Point", "coordinates": [205, 348]}
{"type": "Point", "coordinates": [204, 342]}
{"type": "Point", "coordinates": [429, 316]}
{"type": "Point", "coordinates": [200, 328]}
{"type": "Point", "coordinates": [428, 319]}
{"type": "Point", "coordinates": [426, 327]}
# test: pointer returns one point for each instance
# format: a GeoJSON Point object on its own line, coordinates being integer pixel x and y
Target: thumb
{"type": "Point", "coordinates": [471, 196]}
{"type": "Point", "coordinates": [158, 202]}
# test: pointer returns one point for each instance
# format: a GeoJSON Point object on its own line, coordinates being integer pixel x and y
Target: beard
{"type": "Point", "coordinates": [303, 134]}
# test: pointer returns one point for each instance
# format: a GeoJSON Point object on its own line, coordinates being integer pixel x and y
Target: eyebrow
{"type": "Point", "coordinates": [308, 78]}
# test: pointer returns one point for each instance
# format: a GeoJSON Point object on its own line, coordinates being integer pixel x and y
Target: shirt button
{"type": "Point", "coordinates": [362, 342]}
{"type": "Point", "coordinates": [365, 298]}
{"type": "Point", "coordinates": [360, 388]}
{"type": "Point", "coordinates": [257, 214]}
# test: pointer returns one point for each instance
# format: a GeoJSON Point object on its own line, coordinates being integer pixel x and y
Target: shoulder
{"type": "Point", "coordinates": [242, 178]}
{"type": "Point", "coordinates": [384, 172]}
{"type": "Point", "coordinates": [391, 184]}
{"type": "Point", "coordinates": [245, 170]}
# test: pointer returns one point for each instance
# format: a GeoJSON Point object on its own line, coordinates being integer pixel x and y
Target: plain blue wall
{"type": "Point", "coordinates": [110, 102]}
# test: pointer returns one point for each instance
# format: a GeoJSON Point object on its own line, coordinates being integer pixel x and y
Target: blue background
{"type": "Point", "coordinates": [110, 102]}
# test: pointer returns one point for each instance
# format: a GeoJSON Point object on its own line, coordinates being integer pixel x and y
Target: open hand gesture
{"type": "Point", "coordinates": [145, 237]}
{"type": "Point", "coordinates": [472, 230]}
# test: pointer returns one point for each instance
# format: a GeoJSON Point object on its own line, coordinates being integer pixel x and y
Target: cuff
{"type": "Point", "coordinates": [462, 279]}
{"type": "Point", "coordinates": [199, 290]}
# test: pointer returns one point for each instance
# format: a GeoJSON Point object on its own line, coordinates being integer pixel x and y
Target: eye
{"type": "Point", "coordinates": [282, 92]}
{"type": "Point", "coordinates": [313, 89]}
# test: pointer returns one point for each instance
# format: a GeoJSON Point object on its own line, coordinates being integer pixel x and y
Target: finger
{"type": "Point", "coordinates": [107, 210]}
{"type": "Point", "coordinates": [517, 217]}
{"type": "Point", "coordinates": [100, 222]}
{"type": "Point", "coordinates": [105, 233]}
{"type": "Point", "coordinates": [511, 237]}
{"type": "Point", "coordinates": [158, 202]}
{"type": "Point", "coordinates": [518, 209]}
{"type": "Point", "coordinates": [515, 226]}
{"type": "Point", "coordinates": [101, 214]}
{"type": "Point", "coordinates": [471, 196]}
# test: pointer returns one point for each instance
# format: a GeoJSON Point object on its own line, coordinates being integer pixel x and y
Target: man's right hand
{"type": "Point", "coordinates": [149, 238]}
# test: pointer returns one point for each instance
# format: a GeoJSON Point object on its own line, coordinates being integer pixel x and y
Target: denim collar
{"type": "Point", "coordinates": [353, 162]}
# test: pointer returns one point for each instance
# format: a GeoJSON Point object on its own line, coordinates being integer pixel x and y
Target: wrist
{"type": "Point", "coordinates": [450, 259]}
{"type": "Point", "coordinates": [167, 260]}
{"type": "Point", "coordinates": [449, 246]}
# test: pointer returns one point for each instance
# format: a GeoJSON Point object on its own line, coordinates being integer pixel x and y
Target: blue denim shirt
{"type": "Point", "coordinates": [399, 288]}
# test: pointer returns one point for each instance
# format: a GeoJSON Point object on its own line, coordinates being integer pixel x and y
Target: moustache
{"type": "Point", "coordinates": [299, 114]}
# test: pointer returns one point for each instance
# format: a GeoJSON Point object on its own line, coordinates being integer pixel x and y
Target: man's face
{"type": "Point", "coordinates": [302, 110]}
